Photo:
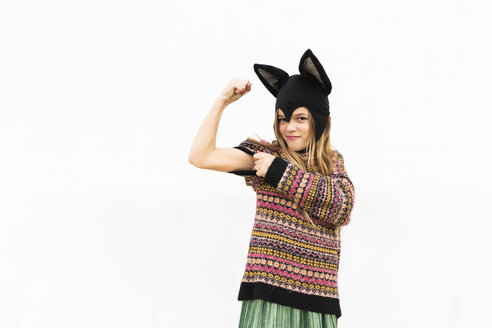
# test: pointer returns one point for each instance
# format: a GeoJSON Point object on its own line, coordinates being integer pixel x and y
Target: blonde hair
{"type": "Point", "coordinates": [319, 153]}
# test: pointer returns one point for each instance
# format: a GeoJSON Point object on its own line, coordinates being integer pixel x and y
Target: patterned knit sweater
{"type": "Point", "coordinates": [290, 261]}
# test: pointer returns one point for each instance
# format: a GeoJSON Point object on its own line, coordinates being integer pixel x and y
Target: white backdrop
{"type": "Point", "coordinates": [104, 223]}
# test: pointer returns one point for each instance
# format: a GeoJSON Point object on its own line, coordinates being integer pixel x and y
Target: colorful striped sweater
{"type": "Point", "coordinates": [290, 261]}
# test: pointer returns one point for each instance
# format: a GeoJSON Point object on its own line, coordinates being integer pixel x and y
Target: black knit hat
{"type": "Point", "coordinates": [309, 89]}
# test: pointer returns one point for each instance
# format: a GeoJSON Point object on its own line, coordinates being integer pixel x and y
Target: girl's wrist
{"type": "Point", "coordinates": [221, 102]}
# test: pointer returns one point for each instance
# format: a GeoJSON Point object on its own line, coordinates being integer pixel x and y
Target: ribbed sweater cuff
{"type": "Point", "coordinates": [275, 171]}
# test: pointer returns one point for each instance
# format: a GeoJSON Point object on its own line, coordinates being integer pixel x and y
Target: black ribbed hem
{"type": "Point", "coordinates": [243, 172]}
{"type": "Point", "coordinates": [275, 171]}
{"type": "Point", "coordinates": [246, 150]}
{"type": "Point", "coordinates": [314, 303]}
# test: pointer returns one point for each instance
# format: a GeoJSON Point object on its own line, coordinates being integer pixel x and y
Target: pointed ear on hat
{"type": "Point", "coordinates": [273, 78]}
{"type": "Point", "coordinates": [311, 67]}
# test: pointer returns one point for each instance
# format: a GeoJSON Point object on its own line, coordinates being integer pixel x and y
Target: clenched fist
{"type": "Point", "coordinates": [235, 89]}
{"type": "Point", "coordinates": [262, 163]}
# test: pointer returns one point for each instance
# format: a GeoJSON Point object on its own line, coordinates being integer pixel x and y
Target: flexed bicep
{"type": "Point", "coordinates": [227, 160]}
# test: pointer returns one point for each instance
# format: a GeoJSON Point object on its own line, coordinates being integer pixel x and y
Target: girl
{"type": "Point", "coordinates": [304, 197]}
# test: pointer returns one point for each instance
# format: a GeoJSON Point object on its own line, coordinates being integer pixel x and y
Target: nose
{"type": "Point", "coordinates": [291, 126]}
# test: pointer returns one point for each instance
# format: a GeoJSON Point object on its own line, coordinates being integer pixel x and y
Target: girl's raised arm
{"type": "Point", "coordinates": [203, 153]}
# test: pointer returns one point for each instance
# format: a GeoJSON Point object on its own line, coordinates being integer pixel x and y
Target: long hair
{"type": "Point", "coordinates": [319, 153]}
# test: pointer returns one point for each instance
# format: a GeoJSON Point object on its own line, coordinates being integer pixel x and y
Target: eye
{"type": "Point", "coordinates": [281, 119]}
{"type": "Point", "coordinates": [302, 118]}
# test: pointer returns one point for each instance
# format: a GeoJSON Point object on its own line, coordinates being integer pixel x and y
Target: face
{"type": "Point", "coordinates": [296, 132]}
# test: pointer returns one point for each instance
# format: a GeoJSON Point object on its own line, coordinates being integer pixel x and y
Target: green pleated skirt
{"type": "Point", "coordinates": [264, 314]}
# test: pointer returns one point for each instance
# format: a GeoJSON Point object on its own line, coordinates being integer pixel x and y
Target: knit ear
{"type": "Point", "coordinates": [273, 78]}
{"type": "Point", "coordinates": [311, 67]}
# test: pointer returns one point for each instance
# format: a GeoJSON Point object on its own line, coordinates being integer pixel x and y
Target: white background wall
{"type": "Point", "coordinates": [104, 223]}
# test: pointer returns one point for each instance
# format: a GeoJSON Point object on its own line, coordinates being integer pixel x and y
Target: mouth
{"type": "Point", "coordinates": [292, 137]}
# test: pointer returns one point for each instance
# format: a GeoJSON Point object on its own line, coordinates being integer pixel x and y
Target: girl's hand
{"type": "Point", "coordinates": [262, 163]}
{"type": "Point", "coordinates": [235, 89]}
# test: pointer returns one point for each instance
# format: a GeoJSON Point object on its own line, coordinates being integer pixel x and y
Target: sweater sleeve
{"type": "Point", "coordinates": [329, 198]}
{"type": "Point", "coordinates": [250, 177]}
{"type": "Point", "coordinates": [251, 147]}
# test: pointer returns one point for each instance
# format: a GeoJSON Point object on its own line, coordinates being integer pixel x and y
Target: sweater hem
{"type": "Point", "coordinates": [313, 303]}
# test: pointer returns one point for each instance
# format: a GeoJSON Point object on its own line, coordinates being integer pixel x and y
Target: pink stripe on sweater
{"type": "Point", "coordinates": [307, 267]}
{"type": "Point", "coordinates": [294, 276]}
{"type": "Point", "coordinates": [281, 208]}
{"type": "Point", "coordinates": [262, 227]}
